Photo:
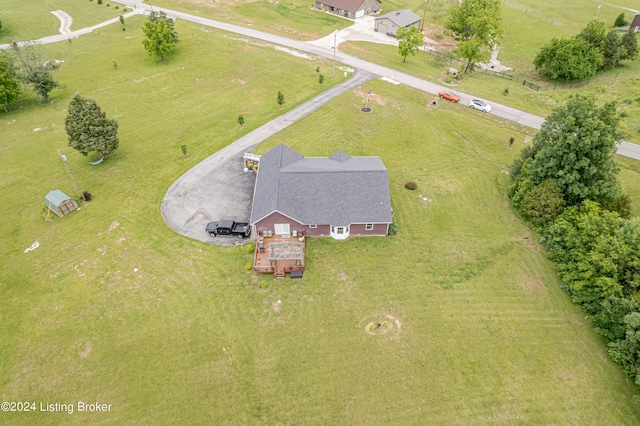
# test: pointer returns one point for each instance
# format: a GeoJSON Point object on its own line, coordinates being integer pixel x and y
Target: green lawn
{"type": "Point", "coordinates": [115, 307]}
{"type": "Point", "coordinates": [293, 19]}
{"type": "Point", "coordinates": [33, 21]}
{"type": "Point", "coordinates": [623, 89]}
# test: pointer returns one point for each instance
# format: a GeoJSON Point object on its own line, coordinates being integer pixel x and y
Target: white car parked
{"type": "Point", "coordinates": [481, 105]}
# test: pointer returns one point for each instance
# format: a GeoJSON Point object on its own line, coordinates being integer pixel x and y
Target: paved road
{"type": "Point", "coordinates": [324, 48]}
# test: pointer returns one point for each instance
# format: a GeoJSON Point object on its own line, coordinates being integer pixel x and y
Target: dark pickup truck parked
{"type": "Point", "coordinates": [228, 227]}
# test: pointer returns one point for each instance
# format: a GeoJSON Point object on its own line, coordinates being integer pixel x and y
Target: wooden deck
{"type": "Point", "coordinates": [278, 255]}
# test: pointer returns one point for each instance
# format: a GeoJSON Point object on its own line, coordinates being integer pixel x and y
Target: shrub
{"type": "Point", "coordinates": [99, 1]}
{"type": "Point", "coordinates": [505, 91]}
{"type": "Point", "coordinates": [320, 78]}
{"type": "Point", "coordinates": [87, 195]}
{"type": "Point", "coordinates": [393, 228]}
{"type": "Point", "coordinates": [412, 185]}
{"type": "Point", "coordinates": [620, 21]}
{"type": "Point", "coordinates": [249, 248]}
{"type": "Point", "coordinates": [621, 205]}
{"type": "Point", "coordinates": [264, 284]}
{"type": "Point", "coordinates": [543, 203]}
{"type": "Point", "coordinates": [248, 266]}
{"type": "Point", "coordinates": [317, 69]}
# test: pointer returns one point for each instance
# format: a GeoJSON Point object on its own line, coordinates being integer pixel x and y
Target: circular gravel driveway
{"type": "Point", "coordinates": [218, 188]}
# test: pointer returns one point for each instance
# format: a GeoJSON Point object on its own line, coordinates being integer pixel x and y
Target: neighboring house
{"type": "Point", "coordinates": [338, 196]}
{"type": "Point", "coordinates": [391, 22]}
{"type": "Point", "coordinates": [349, 8]}
{"type": "Point", "coordinates": [635, 23]}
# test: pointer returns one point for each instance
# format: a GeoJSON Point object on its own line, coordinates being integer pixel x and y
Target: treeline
{"type": "Point", "coordinates": [584, 55]}
{"type": "Point", "coordinates": [565, 185]}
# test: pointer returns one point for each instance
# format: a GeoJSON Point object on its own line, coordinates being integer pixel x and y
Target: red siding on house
{"type": "Point", "coordinates": [267, 224]}
{"type": "Point", "coordinates": [635, 22]}
{"type": "Point", "coordinates": [358, 229]}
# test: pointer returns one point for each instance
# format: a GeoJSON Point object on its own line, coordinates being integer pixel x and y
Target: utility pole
{"type": "Point", "coordinates": [333, 67]}
{"type": "Point", "coordinates": [425, 14]}
{"type": "Point", "coordinates": [64, 161]}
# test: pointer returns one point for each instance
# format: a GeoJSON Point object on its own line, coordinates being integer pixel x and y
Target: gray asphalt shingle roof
{"type": "Point", "coordinates": [401, 18]}
{"type": "Point", "coordinates": [338, 190]}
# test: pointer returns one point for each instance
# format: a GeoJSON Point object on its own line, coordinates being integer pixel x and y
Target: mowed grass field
{"type": "Point", "coordinates": [114, 307]}
{"type": "Point", "coordinates": [34, 20]}
{"type": "Point", "coordinates": [293, 19]}
{"type": "Point", "coordinates": [528, 26]}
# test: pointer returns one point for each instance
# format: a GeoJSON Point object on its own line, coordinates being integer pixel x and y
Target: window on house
{"type": "Point", "coordinates": [368, 226]}
{"type": "Point", "coordinates": [281, 228]}
{"type": "Point", "coordinates": [313, 226]}
{"type": "Point", "coordinates": [340, 230]}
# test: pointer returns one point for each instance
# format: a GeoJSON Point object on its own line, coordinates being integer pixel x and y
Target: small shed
{"type": "Point", "coordinates": [391, 22]}
{"type": "Point", "coordinates": [60, 203]}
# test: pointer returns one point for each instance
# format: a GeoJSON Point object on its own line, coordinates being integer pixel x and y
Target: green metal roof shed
{"type": "Point", "coordinates": [60, 203]}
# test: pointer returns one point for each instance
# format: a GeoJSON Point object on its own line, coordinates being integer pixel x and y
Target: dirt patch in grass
{"type": "Point", "coordinates": [383, 326]}
{"type": "Point", "coordinates": [373, 97]}
{"type": "Point", "coordinates": [85, 351]}
{"type": "Point", "coordinates": [437, 34]}
{"type": "Point", "coordinates": [529, 283]}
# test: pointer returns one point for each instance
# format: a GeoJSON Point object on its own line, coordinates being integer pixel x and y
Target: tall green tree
{"type": "Point", "coordinates": [629, 46]}
{"type": "Point", "coordinates": [32, 70]}
{"type": "Point", "coordinates": [568, 59]}
{"type": "Point", "coordinates": [594, 34]}
{"type": "Point", "coordinates": [477, 27]}
{"type": "Point", "coordinates": [595, 252]}
{"type": "Point", "coordinates": [9, 87]}
{"type": "Point", "coordinates": [575, 149]}
{"type": "Point", "coordinates": [161, 36]}
{"type": "Point", "coordinates": [612, 50]}
{"type": "Point", "coordinates": [409, 41]}
{"type": "Point", "coordinates": [88, 128]}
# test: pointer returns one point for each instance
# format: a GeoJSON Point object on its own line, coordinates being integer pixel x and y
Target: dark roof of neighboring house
{"type": "Point", "coordinates": [401, 18]}
{"type": "Point", "coordinates": [348, 5]}
{"type": "Point", "coordinates": [337, 190]}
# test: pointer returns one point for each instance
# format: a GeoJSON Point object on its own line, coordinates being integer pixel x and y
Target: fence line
{"type": "Point", "coordinates": [521, 80]}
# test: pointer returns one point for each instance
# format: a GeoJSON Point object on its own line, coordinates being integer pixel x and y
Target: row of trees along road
{"type": "Point", "coordinates": [587, 53]}
{"type": "Point", "coordinates": [565, 185]}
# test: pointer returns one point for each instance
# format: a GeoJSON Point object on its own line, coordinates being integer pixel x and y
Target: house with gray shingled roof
{"type": "Point", "coordinates": [391, 22]}
{"type": "Point", "coordinates": [349, 8]}
{"type": "Point", "coordinates": [338, 196]}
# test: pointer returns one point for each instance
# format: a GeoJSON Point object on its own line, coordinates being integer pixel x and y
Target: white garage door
{"type": "Point", "coordinates": [359, 13]}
